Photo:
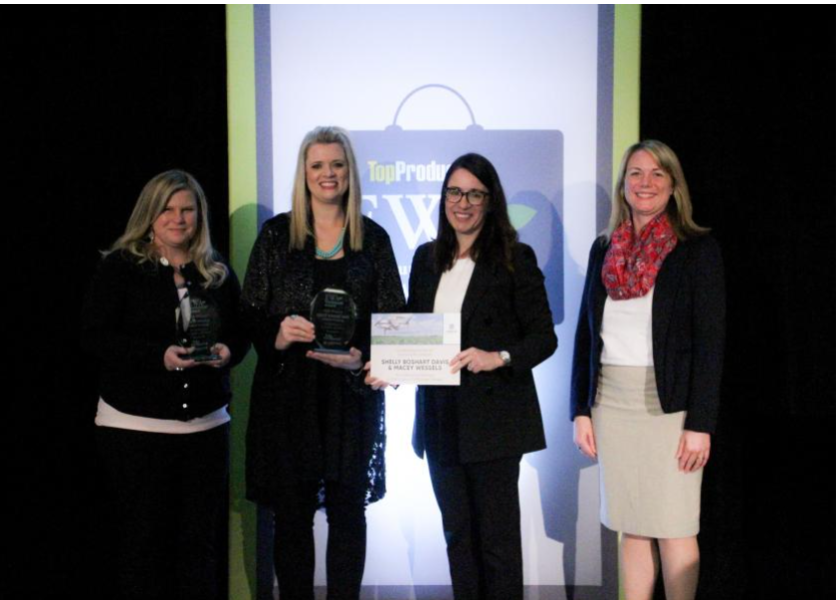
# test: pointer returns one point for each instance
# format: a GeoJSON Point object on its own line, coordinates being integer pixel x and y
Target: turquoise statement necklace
{"type": "Point", "coordinates": [328, 254]}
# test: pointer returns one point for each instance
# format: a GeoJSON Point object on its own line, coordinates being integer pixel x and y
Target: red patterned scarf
{"type": "Point", "coordinates": [632, 261]}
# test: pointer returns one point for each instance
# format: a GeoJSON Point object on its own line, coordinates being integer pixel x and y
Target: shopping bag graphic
{"type": "Point", "coordinates": [402, 175]}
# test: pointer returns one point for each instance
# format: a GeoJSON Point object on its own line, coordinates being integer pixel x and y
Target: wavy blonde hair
{"type": "Point", "coordinates": [301, 220]}
{"type": "Point", "coordinates": [137, 239]}
{"type": "Point", "coordinates": [679, 205]}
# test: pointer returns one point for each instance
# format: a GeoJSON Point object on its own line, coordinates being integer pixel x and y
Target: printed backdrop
{"type": "Point", "coordinates": [417, 86]}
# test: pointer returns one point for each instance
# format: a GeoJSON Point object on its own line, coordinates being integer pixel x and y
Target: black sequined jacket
{"type": "Point", "coordinates": [128, 322]}
{"type": "Point", "coordinates": [280, 282]}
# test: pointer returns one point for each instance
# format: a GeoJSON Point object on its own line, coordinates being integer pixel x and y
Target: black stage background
{"type": "Point", "coordinates": [102, 99]}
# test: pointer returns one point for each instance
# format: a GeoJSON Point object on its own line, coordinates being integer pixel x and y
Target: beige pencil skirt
{"type": "Point", "coordinates": [643, 492]}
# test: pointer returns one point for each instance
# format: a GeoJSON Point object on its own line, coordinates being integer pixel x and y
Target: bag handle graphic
{"type": "Point", "coordinates": [435, 85]}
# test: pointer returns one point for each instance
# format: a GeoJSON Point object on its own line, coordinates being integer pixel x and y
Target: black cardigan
{"type": "Point", "coordinates": [498, 413]}
{"type": "Point", "coordinates": [689, 306]}
{"type": "Point", "coordinates": [281, 282]}
{"type": "Point", "coordinates": [128, 322]}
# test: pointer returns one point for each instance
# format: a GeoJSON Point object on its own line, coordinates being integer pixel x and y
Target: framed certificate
{"type": "Point", "coordinates": [415, 348]}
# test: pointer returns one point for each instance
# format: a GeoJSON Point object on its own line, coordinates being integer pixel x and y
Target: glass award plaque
{"type": "Point", "coordinates": [202, 331]}
{"type": "Point", "coordinates": [333, 313]}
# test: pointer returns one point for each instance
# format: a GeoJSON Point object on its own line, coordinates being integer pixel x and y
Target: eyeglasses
{"type": "Point", "coordinates": [474, 197]}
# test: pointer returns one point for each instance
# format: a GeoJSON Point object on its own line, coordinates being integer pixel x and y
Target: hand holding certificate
{"type": "Point", "coordinates": [415, 348]}
{"type": "Point", "coordinates": [477, 361]}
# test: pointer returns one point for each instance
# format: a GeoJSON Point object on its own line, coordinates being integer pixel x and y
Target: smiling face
{"type": "Point", "coordinates": [465, 218]}
{"type": "Point", "coordinates": [327, 173]}
{"type": "Point", "coordinates": [175, 227]}
{"type": "Point", "coordinates": [647, 188]}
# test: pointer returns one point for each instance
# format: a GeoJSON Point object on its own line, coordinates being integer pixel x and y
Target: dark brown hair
{"type": "Point", "coordinates": [497, 236]}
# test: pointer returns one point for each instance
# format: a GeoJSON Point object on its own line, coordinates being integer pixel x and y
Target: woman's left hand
{"type": "Point", "coordinates": [348, 362]}
{"type": "Point", "coordinates": [693, 451]}
{"type": "Point", "coordinates": [475, 361]}
{"type": "Point", "coordinates": [224, 356]}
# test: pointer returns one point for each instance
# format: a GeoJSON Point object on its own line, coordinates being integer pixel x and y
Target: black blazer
{"type": "Point", "coordinates": [689, 306]}
{"type": "Point", "coordinates": [498, 411]}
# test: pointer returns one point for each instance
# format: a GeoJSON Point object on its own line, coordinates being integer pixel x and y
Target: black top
{"type": "Point", "coordinates": [324, 457]}
{"type": "Point", "coordinates": [689, 306]}
{"type": "Point", "coordinates": [128, 322]}
{"type": "Point", "coordinates": [281, 430]}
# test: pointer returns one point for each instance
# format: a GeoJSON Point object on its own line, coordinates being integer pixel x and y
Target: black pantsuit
{"type": "Point", "coordinates": [475, 435]}
{"type": "Point", "coordinates": [479, 505]}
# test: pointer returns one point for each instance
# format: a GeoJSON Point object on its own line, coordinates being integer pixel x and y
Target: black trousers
{"type": "Point", "coordinates": [171, 491]}
{"type": "Point", "coordinates": [479, 504]}
{"type": "Point", "coordinates": [294, 543]}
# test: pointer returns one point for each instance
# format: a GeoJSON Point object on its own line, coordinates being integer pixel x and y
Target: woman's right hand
{"type": "Point", "coordinates": [173, 358]}
{"type": "Point", "coordinates": [376, 384]}
{"type": "Point", "coordinates": [585, 437]}
{"type": "Point", "coordinates": [294, 328]}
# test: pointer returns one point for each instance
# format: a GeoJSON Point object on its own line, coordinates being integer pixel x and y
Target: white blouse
{"type": "Point", "coordinates": [627, 332]}
{"type": "Point", "coordinates": [453, 286]}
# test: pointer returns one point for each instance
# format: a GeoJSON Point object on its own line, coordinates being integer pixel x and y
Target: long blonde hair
{"type": "Point", "coordinates": [679, 205]}
{"type": "Point", "coordinates": [301, 222]}
{"type": "Point", "coordinates": [137, 239]}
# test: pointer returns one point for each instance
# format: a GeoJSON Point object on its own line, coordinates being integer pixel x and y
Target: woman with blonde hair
{"type": "Point", "coordinates": [316, 434]}
{"type": "Point", "coordinates": [647, 369]}
{"type": "Point", "coordinates": [162, 420]}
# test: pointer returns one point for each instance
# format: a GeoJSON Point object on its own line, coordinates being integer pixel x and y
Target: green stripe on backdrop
{"type": "Point", "coordinates": [626, 99]}
{"type": "Point", "coordinates": [242, 161]}
{"type": "Point", "coordinates": [626, 74]}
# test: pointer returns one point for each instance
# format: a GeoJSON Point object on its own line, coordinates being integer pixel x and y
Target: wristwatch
{"type": "Point", "coordinates": [505, 357]}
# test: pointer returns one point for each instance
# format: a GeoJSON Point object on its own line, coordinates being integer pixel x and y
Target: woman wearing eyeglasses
{"type": "Point", "coordinates": [474, 435]}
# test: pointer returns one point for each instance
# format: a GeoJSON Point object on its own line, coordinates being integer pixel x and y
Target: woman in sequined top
{"type": "Point", "coordinates": [316, 434]}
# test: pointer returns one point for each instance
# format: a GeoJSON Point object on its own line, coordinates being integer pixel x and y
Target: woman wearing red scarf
{"type": "Point", "coordinates": [647, 368]}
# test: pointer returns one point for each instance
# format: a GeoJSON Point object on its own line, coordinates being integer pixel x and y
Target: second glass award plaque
{"type": "Point", "coordinates": [333, 313]}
